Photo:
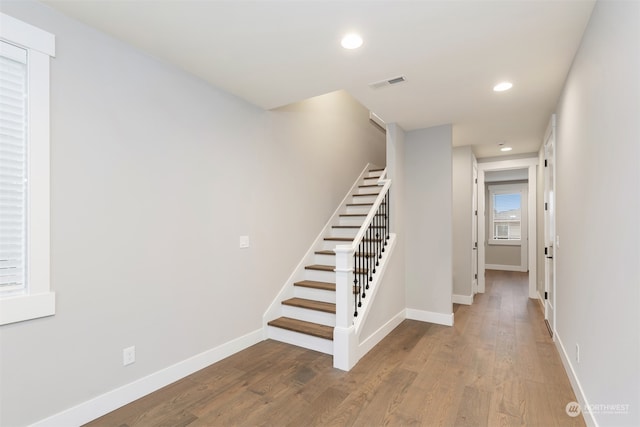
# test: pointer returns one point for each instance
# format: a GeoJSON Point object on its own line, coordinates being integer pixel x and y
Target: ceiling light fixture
{"type": "Point", "coordinates": [506, 149]}
{"type": "Point", "coordinates": [501, 87]}
{"type": "Point", "coordinates": [351, 41]}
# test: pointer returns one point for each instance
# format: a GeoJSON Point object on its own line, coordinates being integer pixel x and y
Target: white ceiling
{"type": "Point", "coordinates": [273, 53]}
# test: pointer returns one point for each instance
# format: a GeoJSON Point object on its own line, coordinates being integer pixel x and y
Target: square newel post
{"type": "Point", "coordinates": [344, 339]}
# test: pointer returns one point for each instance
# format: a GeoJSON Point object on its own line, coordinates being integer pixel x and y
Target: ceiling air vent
{"type": "Point", "coordinates": [388, 82]}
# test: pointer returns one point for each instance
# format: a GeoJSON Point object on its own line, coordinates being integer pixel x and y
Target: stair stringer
{"type": "Point", "coordinates": [287, 291]}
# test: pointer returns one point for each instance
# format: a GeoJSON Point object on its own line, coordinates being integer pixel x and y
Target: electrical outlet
{"type": "Point", "coordinates": [577, 353]}
{"type": "Point", "coordinates": [128, 355]}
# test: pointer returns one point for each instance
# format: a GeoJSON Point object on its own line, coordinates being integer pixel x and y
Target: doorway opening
{"type": "Point", "coordinates": [507, 232]}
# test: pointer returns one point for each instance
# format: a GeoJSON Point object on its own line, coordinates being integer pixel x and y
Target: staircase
{"type": "Point", "coordinates": [308, 317]}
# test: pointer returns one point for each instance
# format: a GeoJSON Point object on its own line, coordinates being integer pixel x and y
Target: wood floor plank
{"type": "Point", "coordinates": [474, 408]}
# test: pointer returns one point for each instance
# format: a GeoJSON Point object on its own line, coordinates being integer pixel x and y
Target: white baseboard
{"type": "Point", "coordinates": [368, 343]}
{"type": "Point", "coordinates": [462, 299]}
{"type": "Point", "coordinates": [541, 302]}
{"type": "Point", "coordinates": [575, 383]}
{"type": "Point", "coordinates": [429, 316]}
{"type": "Point", "coordinates": [114, 399]}
{"type": "Point", "coordinates": [502, 267]}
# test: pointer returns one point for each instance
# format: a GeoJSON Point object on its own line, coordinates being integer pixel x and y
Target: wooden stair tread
{"type": "Point", "coordinates": [359, 204]}
{"type": "Point", "coordinates": [348, 239]}
{"type": "Point", "coordinates": [356, 226]}
{"type": "Point", "coordinates": [376, 170]}
{"type": "Point", "coordinates": [363, 254]}
{"type": "Point", "coordinates": [325, 307]}
{"type": "Point", "coordinates": [353, 215]}
{"type": "Point", "coordinates": [325, 286]}
{"type": "Point", "coordinates": [368, 186]}
{"type": "Point", "coordinates": [365, 194]}
{"type": "Point", "coordinates": [325, 253]}
{"type": "Point", "coordinates": [309, 328]}
{"type": "Point", "coordinates": [320, 267]}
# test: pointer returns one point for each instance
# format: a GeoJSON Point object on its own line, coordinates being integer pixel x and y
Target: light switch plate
{"type": "Point", "coordinates": [244, 242]}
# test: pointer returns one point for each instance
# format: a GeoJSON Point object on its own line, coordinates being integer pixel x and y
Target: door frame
{"type": "Point", "coordinates": [531, 164]}
{"type": "Point", "coordinates": [550, 227]}
{"type": "Point", "coordinates": [474, 228]}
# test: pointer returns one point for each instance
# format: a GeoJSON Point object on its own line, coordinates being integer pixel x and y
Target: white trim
{"type": "Point", "coordinates": [114, 399]}
{"type": "Point", "coordinates": [27, 35]}
{"type": "Point", "coordinates": [462, 299]}
{"type": "Point", "coordinates": [504, 242]}
{"type": "Point", "coordinates": [575, 383]}
{"type": "Point", "coordinates": [429, 316]}
{"type": "Point", "coordinates": [25, 307]}
{"type": "Point", "coordinates": [38, 300]}
{"type": "Point", "coordinates": [504, 267]}
{"type": "Point", "coordinates": [368, 343]}
{"type": "Point", "coordinates": [541, 302]}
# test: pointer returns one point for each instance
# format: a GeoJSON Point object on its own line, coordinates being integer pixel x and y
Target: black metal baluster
{"type": "Point", "coordinates": [378, 237]}
{"type": "Point", "coordinates": [355, 282]}
{"type": "Point", "coordinates": [387, 217]}
{"type": "Point", "coordinates": [363, 282]}
{"type": "Point", "coordinates": [369, 258]}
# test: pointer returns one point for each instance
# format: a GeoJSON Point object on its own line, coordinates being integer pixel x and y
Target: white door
{"type": "Point", "coordinates": [550, 226]}
{"type": "Point", "coordinates": [474, 231]}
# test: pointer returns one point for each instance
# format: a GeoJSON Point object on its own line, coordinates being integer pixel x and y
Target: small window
{"type": "Point", "coordinates": [24, 171]}
{"type": "Point", "coordinates": [506, 213]}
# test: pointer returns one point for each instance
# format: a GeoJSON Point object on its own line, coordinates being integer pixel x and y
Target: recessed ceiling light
{"type": "Point", "coordinates": [506, 149]}
{"type": "Point", "coordinates": [351, 41]}
{"type": "Point", "coordinates": [501, 87]}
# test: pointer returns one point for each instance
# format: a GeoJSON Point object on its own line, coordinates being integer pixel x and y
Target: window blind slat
{"type": "Point", "coordinates": [13, 149]}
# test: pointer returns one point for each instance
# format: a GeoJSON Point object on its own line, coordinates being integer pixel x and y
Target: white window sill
{"type": "Point", "coordinates": [505, 242]}
{"type": "Point", "coordinates": [27, 307]}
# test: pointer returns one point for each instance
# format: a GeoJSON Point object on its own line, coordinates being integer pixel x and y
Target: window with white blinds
{"type": "Point", "coordinates": [13, 167]}
{"type": "Point", "coordinates": [25, 53]}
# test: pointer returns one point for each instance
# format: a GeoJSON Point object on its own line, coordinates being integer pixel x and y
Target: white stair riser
{"type": "Point", "coordinates": [325, 259]}
{"type": "Point", "coordinates": [351, 220]}
{"type": "Point", "coordinates": [344, 232]}
{"type": "Point", "coordinates": [301, 340]}
{"type": "Point", "coordinates": [367, 190]}
{"type": "Point", "coordinates": [364, 199]}
{"type": "Point", "coordinates": [358, 209]}
{"type": "Point", "coordinates": [307, 315]}
{"type": "Point", "coordinates": [371, 174]}
{"type": "Point", "coordinates": [314, 294]}
{"type": "Point", "coordinates": [320, 276]}
{"type": "Point", "coordinates": [331, 244]}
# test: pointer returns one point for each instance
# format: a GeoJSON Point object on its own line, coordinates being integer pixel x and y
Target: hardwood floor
{"type": "Point", "coordinates": [496, 367]}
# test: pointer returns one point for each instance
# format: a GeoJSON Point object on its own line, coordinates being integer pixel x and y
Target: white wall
{"type": "Point", "coordinates": [598, 177]}
{"type": "Point", "coordinates": [154, 176]}
{"type": "Point", "coordinates": [428, 214]}
{"type": "Point", "coordinates": [462, 181]}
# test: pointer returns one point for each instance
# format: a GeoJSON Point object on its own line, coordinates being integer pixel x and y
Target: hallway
{"type": "Point", "coordinates": [496, 367]}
